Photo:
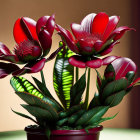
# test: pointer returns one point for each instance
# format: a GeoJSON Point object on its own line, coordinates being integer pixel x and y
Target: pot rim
{"type": "Point", "coordinates": [66, 132]}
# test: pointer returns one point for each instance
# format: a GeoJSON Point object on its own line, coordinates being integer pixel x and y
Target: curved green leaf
{"type": "Point", "coordinates": [21, 84]}
{"type": "Point", "coordinates": [92, 116]}
{"type": "Point", "coordinates": [42, 88]}
{"type": "Point", "coordinates": [38, 112]}
{"type": "Point", "coordinates": [63, 74]}
{"type": "Point", "coordinates": [36, 101]}
{"type": "Point", "coordinates": [115, 99]}
{"type": "Point", "coordinates": [113, 87]}
{"type": "Point", "coordinates": [77, 90]}
{"type": "Point", "coordinates": [23, 115]}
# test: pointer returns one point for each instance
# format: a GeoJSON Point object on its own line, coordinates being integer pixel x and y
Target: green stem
{"type": "Point", "coordinates": [42, 77]}
{"type": "Point", "coordinates": [77, 74]}
{"type": "Point", "coordinates": [87, 91]}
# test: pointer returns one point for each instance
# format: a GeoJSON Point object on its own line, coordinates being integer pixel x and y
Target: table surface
{"type": "Point", "coordinates": [106, 134]}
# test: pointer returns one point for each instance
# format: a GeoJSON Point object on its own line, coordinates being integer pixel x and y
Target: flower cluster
{"type": "Point", "coordinates": [34, 40]}
{"type": "Point", "coordinates": [94, 37]}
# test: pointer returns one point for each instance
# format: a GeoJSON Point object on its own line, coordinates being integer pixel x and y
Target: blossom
{"type": "Point", "coordinates": [94, 37]}
{"type": "Point", "coordinates": [34, 40]}
{"type": "Point", "coordinates": [121, 68]}
{"type": "Point", "coordinates": [117, 81]}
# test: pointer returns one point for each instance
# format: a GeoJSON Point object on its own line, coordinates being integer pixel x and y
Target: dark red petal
{"type": "Point", "coordinates": [119, 32]}
{"type": "Point", "coordinates": [20, 72]}
{"type": "Point", "coordinates": [53, 55]}
{"type": "Point", "coordinates": [50, 24]}
{"type": "Point", "coordinates": [7, 68]}
{"type": "Point", "coordinates": [41, 23]}
{"type": "Point", "coordinates": [46, 41]}
{"type": "Point", "coordinates": [24, 29]}
{"type": "Point", "coordinates": [67, 37]}
{"type": "Point", "coordinates": [36, 66]}
{"type": "Point", "coordinates": [77, 61]}
{"type": "Point", "coordinates": [109, 49]}
{"type": "Point", "coordinates": [95, 63]}
{"type": "Point", "coordinates": [100, 23]}
{"type": "Point", "coordinates": [109, 59]}
{"type": "Point", "coordinates": [98, 45]}
{"type": "Point", "coordinates": [4, 50]}
{"type": "Point", "coordinates": [113, 21]}
{"type": "Point", "coordinates": [86, 23]}
{"type": "Point", "coordinates": [122, 66]}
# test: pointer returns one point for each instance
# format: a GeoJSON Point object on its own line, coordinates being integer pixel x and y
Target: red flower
{"type": "Point", "coordinates": [94, 37]}
{"type": "Point", "coordinates": [123, 68]}
{"type": "Point", "coordinates": [33, 43]}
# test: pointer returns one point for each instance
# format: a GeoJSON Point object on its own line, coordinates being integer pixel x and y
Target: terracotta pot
{"type": "Point", "coordinates": [38, 134]}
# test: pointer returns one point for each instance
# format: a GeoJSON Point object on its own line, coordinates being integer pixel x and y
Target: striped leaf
{"type": "Point", "coordinates": [63, 76]}
{"type": "Point", "coordinates": [21, 84]}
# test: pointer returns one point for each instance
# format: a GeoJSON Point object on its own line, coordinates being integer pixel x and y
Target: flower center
{"type": "Point", "coordinates": [28, 51]}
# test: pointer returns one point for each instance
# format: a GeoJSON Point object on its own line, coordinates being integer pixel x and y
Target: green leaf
{"type": "Point", "coordinates": [115, 99]}
{"type": "Point", "coordinates": [72, 119]}
{"type": "Point", "coordinates": [70, 111]}
{"type": "Point", "coordinates": [77, 90]}
{"type": "Point", "coordinates": [63, 74]}
{"type": "Point", "coordinates": [21, 84]}
{"type": "Point", "coordinates": [99, 80]}
{"type": "Point", "coordinates": [25, 116]}
{"type": "Point", "coordinates": [48, 132]}
{"type": "Point", "coordinates": [100, 121]}
{"type": "Point", "coordinates": [35, 101]}
{"type": "Point", "coordinates": [42, 88]}
{"type": "Point", "coordinates": [38, 112]}
{"type": "Point", "coordinates": [95, 101]}
{"type": "Point", "coordinates": [98, 113]}
{"type": "Point", "coordinates": [109, 73]}
{"type": "Point", "coordinates": [113, 87]}
{"type": "Point", "coordinates": [92, 116]}
{"type": "Point", "coordinates": [107, 118]}
{"type": "Point", "coordinates": [130, 76]}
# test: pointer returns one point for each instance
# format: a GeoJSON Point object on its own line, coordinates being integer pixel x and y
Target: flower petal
{"type": "Point", "coordinates": [24, 29]}
{"type": "Point", "coordinates": [109, 59]}
{"type": "Point", "coordinates": [113, 21]}
{"type": "Point", "coordinates": [7, 68]}
{"type": "Point", "coordinates": [77, 61]}
{"type": "Point", "coordinates": [122, 66]}
{"type": "Point", "coordinates": [95, 63]}
{"type": "Point", "coordinates": [41, 23]}
{"type": "Point", "coordinates": [109, 49]}
{"type": "Point", "coordinates": [32, 67]}
{"type": "Point", "coordinates": [50, 24]}
{"type": "Point", "coordinates": [68, 39]}
{"type": "Point", "coordinates": [4, 50]}
{"type": "Point", "coordinates": [77, 30]}
{"type": "Point", "coordinates": [119, 32]}
{"type": "Point", "coordinates": [46, 41]}
{"type": "Point", "coordinates": [100, 23]}
{"type": "Point", "coordinates": [36, 66]}
{"type": "Point", "coordinates": [86, 23]}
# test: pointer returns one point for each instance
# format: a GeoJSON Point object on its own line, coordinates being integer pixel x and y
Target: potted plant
{"type": "Point", "coordinates": [72, 117]}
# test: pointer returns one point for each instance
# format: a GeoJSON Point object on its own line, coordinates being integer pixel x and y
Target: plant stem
{"type": "Point", "coordinates": [42, 77]}
{"type": "Point", "coordinates": [87, 91]}
{"type": "Point", "coordinates": [77, 74]}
